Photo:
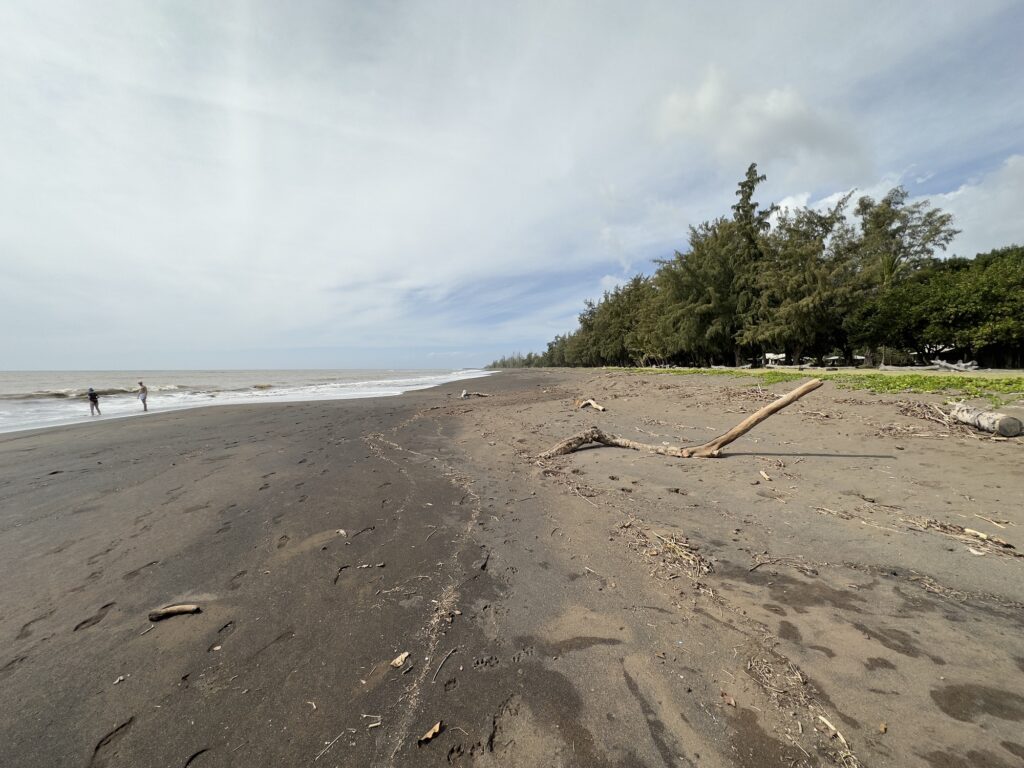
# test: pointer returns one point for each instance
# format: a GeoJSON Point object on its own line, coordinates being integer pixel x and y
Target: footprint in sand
{"type": "Point", "coordinates": [288, 634]}
{"type": "Point", "coordinates": [141, 531]}
{"type": "Point", "coordinates": [283, 541]}
{"type": "Point", "coordinates": [90, 578]}
{"type": "Point", "coordinates": [235, 582]}
{"type": "Point", "coordinates": [26, 628]}
{"type": "Point", "coordinates": [136, 571]}
{"type": "Point", "coordinates": [9, 667]}
{"type": "Point", "coordinates": [99, 555]}
{"type": "Point", "coordinates": [95, 619]}
{"type": "Point", "coordinates": [106, 748]}
{"type": "Point", "coordinates": [222, 633]}
{"type": "Point", "coordinates": [523, 654]}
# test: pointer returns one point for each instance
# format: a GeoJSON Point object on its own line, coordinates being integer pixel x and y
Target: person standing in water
{"type": "Point", "coordinates": [94, 403]}
{"type": "Point", "coordinates": [143, 394]}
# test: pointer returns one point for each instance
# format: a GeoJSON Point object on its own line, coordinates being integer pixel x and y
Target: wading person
{"type": "Point", "coordinates": [94, 403]}
{"type": "Point", "coordinates": [143, 394]}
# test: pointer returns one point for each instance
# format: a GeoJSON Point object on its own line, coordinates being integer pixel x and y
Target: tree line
{"type": "Point", "coordinates": [810, 284]}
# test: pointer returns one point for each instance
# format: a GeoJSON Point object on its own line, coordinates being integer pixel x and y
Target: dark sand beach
{"type": "Point", "coordinates": [810, 598]}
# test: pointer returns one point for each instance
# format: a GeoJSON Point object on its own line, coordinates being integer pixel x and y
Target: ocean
{"type": "Point", "coordinates": [34, 399]}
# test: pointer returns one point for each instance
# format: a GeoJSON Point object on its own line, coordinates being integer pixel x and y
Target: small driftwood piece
{"type": "Point", "coordinates": [174, 610]}
{"type": "Point", "coordinates": [708, 450]}
{"type": "Point", "coordinates": [580, 404]}
{"type": "Point", "coordinates": [987, 421]}
{"type": "Point", "coordinates": [466, 394]}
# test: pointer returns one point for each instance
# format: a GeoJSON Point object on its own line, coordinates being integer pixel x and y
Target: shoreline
{"type": "Point", "coordinates": [605, 608]}
{"type": "Point", "coordinates": [269, 399]}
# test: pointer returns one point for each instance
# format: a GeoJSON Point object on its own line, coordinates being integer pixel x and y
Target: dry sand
{"type": "Point", "coordinates": [808, 599]}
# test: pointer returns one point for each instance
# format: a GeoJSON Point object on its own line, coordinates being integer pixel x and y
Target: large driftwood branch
{"type": "Point", "coordinates": [958, 367]}
{"type": "Point", "coordinates": [711, 449]}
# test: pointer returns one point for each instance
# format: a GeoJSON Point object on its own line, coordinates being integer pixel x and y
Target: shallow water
{"type": "Point", "coordinates": [33, 399]}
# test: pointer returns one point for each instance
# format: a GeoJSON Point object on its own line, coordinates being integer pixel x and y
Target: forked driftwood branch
{"type": "Point", "coordinates": [706, 451]}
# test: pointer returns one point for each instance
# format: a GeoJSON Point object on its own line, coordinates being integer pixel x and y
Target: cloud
{"type": "Point", "coordinates": [330, 183]}
{"type": "Point", "coordinates": [774, 125]}
{"type": "Point", "coordinates": [987, 210]}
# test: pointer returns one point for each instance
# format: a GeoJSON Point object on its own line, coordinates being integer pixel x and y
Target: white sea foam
{"type": "Point", "coordinates": [32, 399]}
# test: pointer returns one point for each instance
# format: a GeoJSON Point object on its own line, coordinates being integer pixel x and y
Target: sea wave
{"type": "Point", "coordinates": [30, 403]}
{"type": "Point", "coordinates": [66, 394]}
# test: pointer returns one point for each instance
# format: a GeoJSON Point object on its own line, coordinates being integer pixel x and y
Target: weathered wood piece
{"type": "Point", "coordinates": [958, 367]}
{"type": "Point", "coordinates": [987, 421]}
{"type": "Point", "coordinates": [588, 402]}
{"type": "Point", "coordinates": [466, 393]}
{"type": "Point", "coordinates": [710, 449]}
{"type": "Point", "coordinates": [908, 368]}
{"type": "Point", "coordinates": [174, 610]}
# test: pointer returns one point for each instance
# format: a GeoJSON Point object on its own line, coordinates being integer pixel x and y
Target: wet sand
{"type": "Point", "coordinates": [607, 608]}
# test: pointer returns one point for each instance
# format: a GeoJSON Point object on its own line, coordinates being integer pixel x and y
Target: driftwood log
{"type": "Point", "coordinates": [909, 368]}
{"type": "Point", "coordinates": [706, 451]}
{"type": "Point", "coordinates": [987, 421]}
{"type": "Point", "coordinates": [958, 367]}
{"type": "Point", "coordinates": [180, 609]}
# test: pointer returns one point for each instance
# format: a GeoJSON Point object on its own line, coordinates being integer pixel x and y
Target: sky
{"type": "Point", "coordinates": [187, 184]}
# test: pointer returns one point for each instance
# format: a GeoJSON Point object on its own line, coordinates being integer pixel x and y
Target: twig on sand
{"type": "Point", "coordinates": [576, 490]}
{"type": "Point", "coordinates": [436, 671]}
{"type": "Point", "coordinates": [835, 731]}
{"type": "Point", "coordinates": [331, 744]}
{"type": "Point", "coordinates": [795, 744]}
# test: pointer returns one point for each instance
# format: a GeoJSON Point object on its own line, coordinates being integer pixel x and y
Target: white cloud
{"type": "Point", "coordinates": [987, 210]}
{"type": "Point", "coordinates": [184, 179]}
{"type": "Point", "coordinates": [775, 124]}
